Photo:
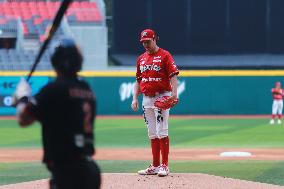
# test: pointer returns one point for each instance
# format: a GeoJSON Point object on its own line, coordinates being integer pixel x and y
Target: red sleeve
{"type": "Point", "coordinates": [171, 66]}
{"type": "Point", "coordinates": [138, 72]}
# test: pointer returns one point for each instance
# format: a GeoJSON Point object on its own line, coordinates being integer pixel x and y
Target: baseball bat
{"type": "Point", "coordinates": [55, 25]}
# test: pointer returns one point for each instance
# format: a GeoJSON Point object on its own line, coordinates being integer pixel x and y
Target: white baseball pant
{"type": "Point", "coordinates": [155, 119]}
{"type": "Point", "coordinates": [277, 107]}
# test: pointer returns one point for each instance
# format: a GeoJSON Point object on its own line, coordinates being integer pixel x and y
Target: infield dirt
{"type": "Point", "coordinates": [174, 181]}
{"type": "Point", "coordinates": [29, 155]}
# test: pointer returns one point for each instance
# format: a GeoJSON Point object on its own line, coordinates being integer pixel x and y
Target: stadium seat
{"type": "Point", "coordinates": [3, 21]}
{"type": "Point", "coordinates": [36, 17]}
{"type": "Point", "coordinates": [37, 21]}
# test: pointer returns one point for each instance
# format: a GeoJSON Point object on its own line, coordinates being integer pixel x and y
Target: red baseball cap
{"type": "Point", "coordinates": [147, 34]}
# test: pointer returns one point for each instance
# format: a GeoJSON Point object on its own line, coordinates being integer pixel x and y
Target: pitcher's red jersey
{"type": "Point", "coordinates": [154, 72]}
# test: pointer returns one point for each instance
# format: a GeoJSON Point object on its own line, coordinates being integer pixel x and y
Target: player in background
{"type": "Point", "coordinates": [156, 76]}
{"type": "Point", "coordinates": [66, 111]}
{"type": "Point", "coordinates": [277, 106]}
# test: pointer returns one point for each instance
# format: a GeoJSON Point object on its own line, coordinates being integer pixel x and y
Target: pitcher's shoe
{"type": "Point", "coordinates": [279, 121]}
{"type": "Point", "coordinates": [151, 170]}
{"type": "Point", "coordinates": [163, 171]}
{"type": "Point", "coordinates": [271, 122]}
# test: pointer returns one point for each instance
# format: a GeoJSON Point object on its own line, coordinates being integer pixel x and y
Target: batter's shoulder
{"type": "Point", "coordinates": [59, 84]}
{"type": "Point", "coordinates": [50, 85]}
{"type": "Point", "coordinates": [84, 84]}
{"type": "Point", "coordinates": [49, 90]}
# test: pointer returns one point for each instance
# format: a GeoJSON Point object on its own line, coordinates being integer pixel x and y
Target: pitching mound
{"type": "Point", "coordinates": [174, 181]}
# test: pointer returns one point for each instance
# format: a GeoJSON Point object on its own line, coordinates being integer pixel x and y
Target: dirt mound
{"type": "Point", "coordinates": [174, 181]}
{"type": "Point", "coordinates": [38, 184]}
{"type": "Point", "coordinates": [179, 181]}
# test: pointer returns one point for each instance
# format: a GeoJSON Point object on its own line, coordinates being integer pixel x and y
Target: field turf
{"type": "Point", "coordinates": [184, 132]}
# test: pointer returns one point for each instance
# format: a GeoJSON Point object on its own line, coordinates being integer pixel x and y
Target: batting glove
{"type": "Point", "coordinates": [23, 91]}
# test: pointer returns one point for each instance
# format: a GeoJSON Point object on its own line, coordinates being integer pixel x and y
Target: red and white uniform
{"type": "Point", "coordinates": [277, 106]}
{"type": "Point", "coordinates": [154, 72]}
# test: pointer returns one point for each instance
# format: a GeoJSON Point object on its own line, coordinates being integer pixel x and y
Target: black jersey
{"type": "Point", "coordinates": [66, 110]}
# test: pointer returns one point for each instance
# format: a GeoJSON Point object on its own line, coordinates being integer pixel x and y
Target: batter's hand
{"type": "Point", "coordinates": [23, 89]}
{"type": "Point", "coordinates": [134, 105]}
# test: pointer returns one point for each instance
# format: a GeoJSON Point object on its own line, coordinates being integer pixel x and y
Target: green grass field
{"type": "Point", "coordinates": [184, 133]}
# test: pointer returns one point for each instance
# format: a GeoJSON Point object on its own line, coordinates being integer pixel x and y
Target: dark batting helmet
{"type": "Point", "coordinates": [67, 58]}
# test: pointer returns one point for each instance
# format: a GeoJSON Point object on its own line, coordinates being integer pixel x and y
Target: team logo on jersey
{"type": "Point", "coordinates": [144, 34]}
{"type": "Point", "coordinates": [157, 60]}
{"type": "Point", "coordinates": [154, 67]}
{"type": "Point", "coordinates": [151, 79]}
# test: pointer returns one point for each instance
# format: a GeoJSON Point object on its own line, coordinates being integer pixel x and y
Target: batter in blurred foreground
{"type": "Point", "coordinates": [156, 76]}
{"type": "Point", "coordinates": [66, 110]}
{"type": "Point", "coordinates": [277, 105]}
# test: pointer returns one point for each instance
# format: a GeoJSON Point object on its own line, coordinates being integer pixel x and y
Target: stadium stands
{"type": "Point", "coordinates": [35, 18]}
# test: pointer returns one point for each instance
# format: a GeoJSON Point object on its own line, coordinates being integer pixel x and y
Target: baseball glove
{"type": "Point", "coordinates": [165, 102]}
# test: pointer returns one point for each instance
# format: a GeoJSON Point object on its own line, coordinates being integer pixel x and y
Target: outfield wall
{"type": "Point", "coordinates": [200, 92]}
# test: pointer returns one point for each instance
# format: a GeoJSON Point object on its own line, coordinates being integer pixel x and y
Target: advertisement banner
{"type": "Point", "coordinates": [8, 86]}
{"type": "Point", "coordinates": [197, 95]}
{"type": "Point", "coordinates": [215, 95]}
{"type": "Point", "coordinates": [114, 95]}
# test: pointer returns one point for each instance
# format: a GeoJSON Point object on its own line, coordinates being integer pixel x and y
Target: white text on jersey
{"type": "Point", "coordinates": [151, 79]}
{"type": "Point", "coordinates": [149, 67]}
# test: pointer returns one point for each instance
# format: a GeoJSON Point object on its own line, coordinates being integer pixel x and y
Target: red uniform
{"type": "Point", "coordinates": [277, 93]}
{"type": "Point", "coordinates": [154, 72]}
{"type": "Point", "coordinates": [277, 106]}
